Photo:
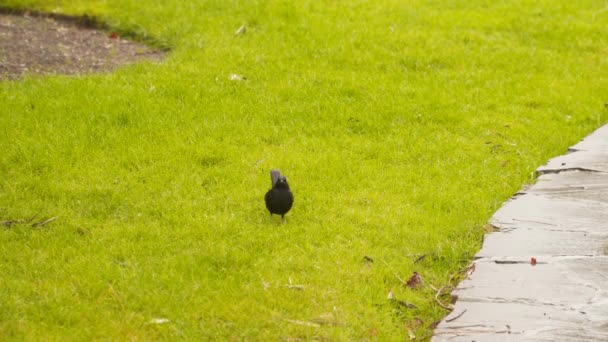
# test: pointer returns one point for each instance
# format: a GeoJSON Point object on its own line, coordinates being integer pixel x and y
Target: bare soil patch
{"type": "Point", "coordinates": [41, 44]}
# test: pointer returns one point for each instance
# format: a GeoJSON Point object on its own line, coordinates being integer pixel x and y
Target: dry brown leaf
{"type": "Point", "coordinates": [414, 281]}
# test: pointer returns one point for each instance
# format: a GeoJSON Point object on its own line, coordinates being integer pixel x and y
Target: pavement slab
{"type": "Point", "coordinates": [543, 274]}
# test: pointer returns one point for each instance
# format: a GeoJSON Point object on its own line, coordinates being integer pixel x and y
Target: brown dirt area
{"type": "Point", "coordinates": [39, 44]}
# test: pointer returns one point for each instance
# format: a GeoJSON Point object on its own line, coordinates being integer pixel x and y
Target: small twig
{"type": "Point", "coordinates": [439, 302]}
{"type": "Point", "coordinates": [453, 276]}
{"type": "Point", "coordinates": [295, 287]}
{"type": "Point", "coordinates": [43, 223]}
{"type": "Point", "coordinates": [327, 319]}
{"type": "Point", "coordinates": [403, 282]}
{"type": "Point", "coordinates": [457, 316]}
{"type": "Point", "coordinates": [116, 296]}
{"type": "Point", "coordinates": [509, 262]}
{"type": "Point", "coordinates": [241, 30]}
{"type": "Point", "coordinates": [399, 302]}
{"type": "Point", "coordinates": [471, 331]}
{"type": "Point", "coordinates": [420, 258]}
{"type": "Point", "coordinates": [308, 324]}
{"type": "Point", "coordinates": [121, 263]}
{"type": "Point", "coordinates": [9, 223]}
{"type": "Point", "coordinates": [31, 218]}
{"type": "Point", "coordinates": [530, 221]}
{"type": "Point", "coordinates": [402, 303]}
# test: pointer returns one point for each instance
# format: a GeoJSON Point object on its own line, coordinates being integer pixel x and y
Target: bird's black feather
{"type": "Point", "coordinates": [279, 199]}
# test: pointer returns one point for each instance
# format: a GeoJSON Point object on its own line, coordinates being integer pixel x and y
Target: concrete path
{"type": "Point", "coordinates": [561, 222]}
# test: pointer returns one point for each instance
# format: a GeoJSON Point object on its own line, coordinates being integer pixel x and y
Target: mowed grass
{"type": "Point", "coordinates": [401, 126]}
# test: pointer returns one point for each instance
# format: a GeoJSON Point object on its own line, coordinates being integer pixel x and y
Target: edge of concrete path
{"type": "Point", "coordinates": [543, 275]}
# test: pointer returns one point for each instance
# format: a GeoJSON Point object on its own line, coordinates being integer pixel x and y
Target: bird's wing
{"type": "Point", "coordinates": [274, 176]}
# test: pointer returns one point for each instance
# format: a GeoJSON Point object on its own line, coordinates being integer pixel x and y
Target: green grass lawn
{"type": "Point", "coordinates": [400, 125]}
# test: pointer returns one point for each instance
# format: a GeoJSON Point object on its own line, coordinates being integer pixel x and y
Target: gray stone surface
{"type": "Point", "coordinates": [596, 141]}
{"type": "Point", "coordinates": [562, 222]}
{"type": "Point", "coordinates": [579, 160]}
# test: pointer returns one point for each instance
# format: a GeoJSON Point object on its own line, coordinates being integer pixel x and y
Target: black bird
{"type": "Point", "coordinates": [279, 198]}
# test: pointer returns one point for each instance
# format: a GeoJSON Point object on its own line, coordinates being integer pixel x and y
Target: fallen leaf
{"type": "Point", "coordinates": [413, 325]}
{"type": "Point", "coordinates": [416, 323]}
{"type": "Point", "coordinates": [414, 281]}
{"type": "Point", "coordinates": [82, 231]}
{"type": "Point", "coordinates": [241, 30]}
{"type": "Point", "coordinates": [235, 77]}
{"type": "Point", "coordinates": [411, 334]}
{"type": "Point", "coordinates": [158, 321]}
{"type": "Point", "coordinates": [469, 270]}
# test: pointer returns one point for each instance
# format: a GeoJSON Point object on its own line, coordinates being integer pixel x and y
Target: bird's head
{"type": "Point", "coordinates": [282, 183]}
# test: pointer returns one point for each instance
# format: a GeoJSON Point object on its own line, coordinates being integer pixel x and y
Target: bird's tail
{"type": "Point", "coordinates": [274, 176]}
